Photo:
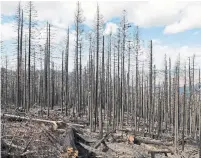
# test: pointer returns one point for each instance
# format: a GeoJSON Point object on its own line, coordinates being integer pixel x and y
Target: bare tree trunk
{"type": "Point", "coordinates": [80, 78]}
{"type": "Point", "coordinates": [41, 87]}
{"type": "Point", "coordinates": [177, 106]}
{"type": "Point", "coordinates": [114, 94]}
{"type": "Point", "coordinates": [97, 64]}
{"type": "Point", "coordinates": [142, 93]}
{"type": "Point", "coordinates": [184, 111]}
{"type": "Point", "coordinates": [194, 111]}
{"type": "Point", "coordinates": [133, 102]}
{"type": "Point", "coordinates": [49, 72]}
{"type": "Point", "coordinates": [118, 84]}
{"type": "Point", "coordinates": [45, 72]}
{"type": "Point", "coordinates": [136, 84]}
{"type": "Point", "coordinates": [170, 93]}
{"type": "Point", "coordinates": [102, 92]}
{"type": "Point", "coordinates": [128, 84]}
{"type": "Point", "coordinates": [20, 64]}
{"type": "Point", "coordinates": [53, 85]}
{"type": "Point", "coordinates": [174, 101]}
{"type": "Point", "coordinates": [166, 94]}
{"type": "Point", "coordinates": [108, 110]}
{"type": "Point", "coordinates": [25, 75]}
{"type": "Point", "coordinates": [6, 82]}
{"type": "Point", "coordinates": [34, 78]}
{"type": "Point", "coordinates": [90, 86]}
{"type": "Point", "coordinates": [29, 58]}
{"type": "Point", "coordinates": [159, 111]}
{"type": "Point", "coordinates": [190, 99]}
{"type": "Point", "coordinates": [62, 82]}
{"type": "Point", "coordinates": [18, 57]}
{"type": "Point", "coordinates": [123, 69]}
{"type": "Point", "coordinates": [150, 90]}
{"type": "Point", "coordinates": [66, 68]}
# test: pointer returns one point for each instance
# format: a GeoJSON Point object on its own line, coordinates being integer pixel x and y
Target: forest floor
{"type": "Point", "coordinates": [34, 138]}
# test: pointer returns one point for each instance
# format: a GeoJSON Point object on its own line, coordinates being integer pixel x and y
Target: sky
{"type": "Point", "coordinates": [174, 27]}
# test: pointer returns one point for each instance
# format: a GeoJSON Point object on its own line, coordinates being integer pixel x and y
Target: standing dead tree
{"type": "Point", "coordinates": [79, 30]}
{"type": "Point", "coordinates": [66, 69]}
{"type": "Point", "coordinates": [136, 75]}
{"type": "Point", "coordinates": [150, 89]}
{"type": "Point", "coordinates": [18, 55]}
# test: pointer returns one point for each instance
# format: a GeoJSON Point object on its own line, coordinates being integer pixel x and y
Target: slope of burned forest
{"type": "Point", "coordinates": [77, 87]}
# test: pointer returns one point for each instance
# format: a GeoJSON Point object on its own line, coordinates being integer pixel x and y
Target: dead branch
{"type": "Point", "coordinates": [101, 140]}
{"type": "Point", "coordinates": [28, 144]}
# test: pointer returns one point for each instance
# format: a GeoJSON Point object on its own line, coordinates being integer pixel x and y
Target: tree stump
{"type": "Point", "coordinates": [71, 146]}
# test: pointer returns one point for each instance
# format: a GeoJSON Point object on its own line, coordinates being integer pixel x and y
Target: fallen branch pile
{"type": "Point", "coordinates": [70, 143]}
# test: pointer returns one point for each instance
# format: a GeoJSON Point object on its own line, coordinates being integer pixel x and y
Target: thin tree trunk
{"type": "Point", "coordinates": [25, 75]}
{"type": "Point", "coordinates": [29, 58]}
{"type": "Point", "coordinates": [159, 111]}
{"type": "Point", "coordinates": [184, 110]}
{"type": "Point", "coordinates": [18, 58]}
{"type": "Point", "coordinates": [128, 82]}
{"type": "Point", "coordinates": [20, 63]}
{"type": "Point", "coordinates": [114, 94]}
{"type": "Point", "coordinates": [150, 90]}
{"type": "Point", "coordinates": [97, 65]}
{"type": "Point", "coordinates": [166, 94]}
{"type": "Point", "coordinates": [102, 92]}
{"type": "Point", "coordinates": [66, 68]}
{"type": "Point", "coordinates": [170, 93]}
{"type": "Point", "coordinates": [62, 82]}
{"type": "Point", "coordinates": [190, 99]}
{"type": "Point", "coordinates": [136, 84]}
{"type": "Point", "coordinates": [80, 78]}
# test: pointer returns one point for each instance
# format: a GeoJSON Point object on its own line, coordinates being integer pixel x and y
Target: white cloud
{"type": "Point", "coordinates": [188, 20]}
{"type": "Point", "coordinates": [111, 28]}
{"type": "Point", "coordinates": [156, 41]}
{"type": "Point", "coordinates": [156, 13]}
{"type": "Point", "coordinates": [159, 51]}
{"type": "Point", "coordinates": [7, 31]}
{"type": "Point", "coordinates": [172, 52]}
{"type": "Point", "coordinates": [174, 15]}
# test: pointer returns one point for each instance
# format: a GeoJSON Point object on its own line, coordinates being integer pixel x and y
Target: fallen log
{"type": "Point", "coordinates": [137, 140]}
{"type": "Point", "coordinates": [154, 152]}
{"type": "Point", "coordinates": [75, 125]}
{"type": "Point", "coordinates": [155, 142]}
{"type": "Point", "coordinates": [55, 124]}
{"type": "Point", "coordinates": [101, 140]}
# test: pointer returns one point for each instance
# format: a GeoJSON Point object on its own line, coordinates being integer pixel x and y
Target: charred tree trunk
{"type": "Point", "coordinates": [102, 91]}
{"type": "Point", "coordinates": [66, 68]}
{"type": "Point", "coordinates": [29, 58]}
{"type": "Point", "coordinates": [150, 89]}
